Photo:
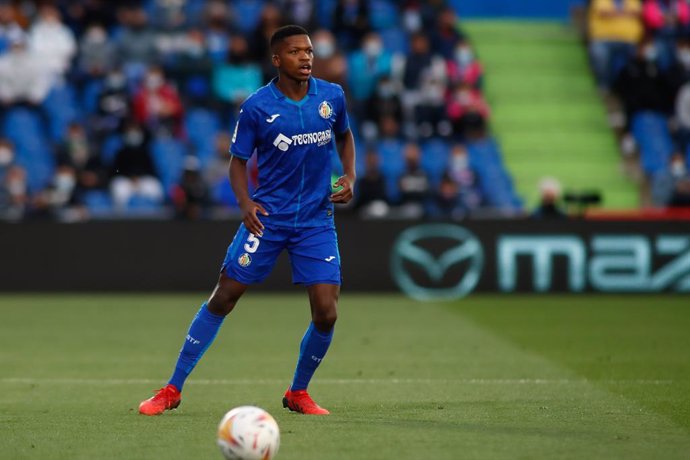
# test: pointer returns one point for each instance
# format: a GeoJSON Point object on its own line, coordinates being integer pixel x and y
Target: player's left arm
{"type": "Point", "coordinates": [345, 143]}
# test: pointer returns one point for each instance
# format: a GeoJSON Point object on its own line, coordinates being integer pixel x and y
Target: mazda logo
{"type": "Point", "coordinates": [461, 253]}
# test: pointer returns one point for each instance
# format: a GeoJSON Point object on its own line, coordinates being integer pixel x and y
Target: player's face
{"type": "Point", "coordinates": [294, 57]}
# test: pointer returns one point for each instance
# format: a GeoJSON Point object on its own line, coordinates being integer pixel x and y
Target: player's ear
{"type": "Point", "coordinates": [275, 60]}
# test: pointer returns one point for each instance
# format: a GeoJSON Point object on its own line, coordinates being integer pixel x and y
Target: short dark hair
{"type": "Point", "coordinates": [284, 32]}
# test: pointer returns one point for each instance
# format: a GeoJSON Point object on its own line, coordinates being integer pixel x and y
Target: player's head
{"type": "Point", "coordinates": [292, 52]}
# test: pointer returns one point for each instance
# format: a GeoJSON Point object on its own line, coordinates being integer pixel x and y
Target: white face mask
{"type": "Point", "coordinates": [154, 81]}
{"type": "Point", "coordinates": [6, 156]}
{"type": "Point", "coordinates": [324, 49]}
{"type": "Point", "coordinates": [459, 162]}
{"type": "Point", "coordinates": [134, 137]}
{"type": "Point", "coordinates": [683, 56]}
{"type": "Point", "coordinates": [678, 169]}
{"type": "Point", "coordinates": [64, 182]}
{"type": "Point", "coordinates": [412, 21]}
{"type": "Point", "coordinates": [464, 56]}
{"type": "Point", "coordinates": [373, 48]}
{"type": "Point", "coordinates": [649, 53]}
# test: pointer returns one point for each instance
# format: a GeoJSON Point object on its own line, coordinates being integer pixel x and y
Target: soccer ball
{"type": "Point", "coordinates": [248, 433]}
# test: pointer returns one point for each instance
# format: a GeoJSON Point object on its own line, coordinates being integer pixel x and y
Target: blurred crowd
{"type": "Point", "coordinates": [125, 108]}
{"type": "Point", "coordinates": [640, 55]}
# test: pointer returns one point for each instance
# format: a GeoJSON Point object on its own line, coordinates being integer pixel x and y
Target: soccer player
{"type": "Point", "coordinates": [291, 123]}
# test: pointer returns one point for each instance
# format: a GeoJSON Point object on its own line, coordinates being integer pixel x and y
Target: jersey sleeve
{"type": "Point", "coordinates": [244, 137]}
{"type": "Point", "coordinates": [342, 121]}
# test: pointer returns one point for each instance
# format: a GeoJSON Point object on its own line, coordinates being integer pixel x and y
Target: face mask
{"type": "Point", "coordinates": [324, 49]}
{"type": "Point", "coordinates": [116, 80]}
{"type": "Point", "coordinates": [459, 162]}
{"type": "Point", "coordinates": [96, 36]}
{"type": "Point", "coordinates": [649, 53]}
{"type": "Point", "coordinates": [412, 21]}
{"type": "Point", "coordinates": [134, 137]}
{"type": "Point", "coordinates": [154, 81]}
{"type": "Point", "coordinates": [64, 182]}
{"type": "Point", "coordinates": [6, 156]}
{"type": "Point", "coordinates": [386, 90]}
{"type": "Point", "coordinates": [684, 57]}
{"type": "Point", "coordinates": [372, 48]}
{"type": "Point", "coordinates": [677, 169]}
{"type": "Point", "coordinates": [464, 56]}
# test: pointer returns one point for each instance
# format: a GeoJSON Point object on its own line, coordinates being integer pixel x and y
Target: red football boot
{"type": "Point", "coordinates": [167, 398]}
{"type": "Point", "coordinates": [300, 401]}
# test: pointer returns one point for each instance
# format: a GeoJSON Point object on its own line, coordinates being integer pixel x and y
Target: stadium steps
{"type": "Point", "coordinates": [546, 112]}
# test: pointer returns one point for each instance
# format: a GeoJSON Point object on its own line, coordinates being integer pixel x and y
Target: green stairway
{"type": "Point", "coordinates": [546, 111]}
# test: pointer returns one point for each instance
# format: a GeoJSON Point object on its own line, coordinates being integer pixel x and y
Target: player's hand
{"type": "Point", "coordinates": [343, 195]}
{"type": "Point", "coordinates": [250, 218]}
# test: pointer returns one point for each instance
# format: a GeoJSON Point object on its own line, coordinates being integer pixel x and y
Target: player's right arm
{"type": "Point", "coordinates": [243, 143]}
{"type": "Point", "coordinates": [240, 186]}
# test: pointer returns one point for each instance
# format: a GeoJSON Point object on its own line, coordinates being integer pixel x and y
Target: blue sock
{"type": "Point", "coordinates": [201, 333]}
{"type": "Point", "coordinates": [311, 352]}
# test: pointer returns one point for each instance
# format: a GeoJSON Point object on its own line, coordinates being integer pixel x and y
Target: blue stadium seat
{"type": "Point", "coordinates": [247, 13]}
{"type": "Point", "coordinates": [97, 202]}
{"type": "Point", "coordinates": [109, 148]}
{"type": "Point", "coordinates": [650, 130]}
{"type": "Point", "coordinates": [168, 157]}
{"type": "Point", "coordinates": [390, 153]}
{"type": "Point", "coordinates": [395, 40]}
{"type": "Point", "coordinates": [383, 14]}
{"type": "Point", "coordinates": [23, 127]}
{"type": "Point", "coordinates": [89, 95]}
{"type": "Point", "coordinates": [202, 127]}
{"type": "Point", "coordinates": [60, 107]}
{"type": "Point", "coordinates": [221, 193]}
{"type": "Point", "coordinates": [325, 9]}
{"type": "Point", "coordinates": [435, 154]}
{"type": "Point", "coordinates": [495, 184]}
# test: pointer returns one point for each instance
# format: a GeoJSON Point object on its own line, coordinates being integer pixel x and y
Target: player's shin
{"type": "Point", "coordinates": [312, 351]}
{"type": "Point", "coordinates": [201, 333]}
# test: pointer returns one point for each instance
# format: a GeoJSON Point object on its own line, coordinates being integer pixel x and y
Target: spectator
{"type": "Point", "coordinates": [190, 196]}
{"type": "Point", "coordinates": [83, 13]}
{"type": "Point", "coordinates": [217, 22]}
{"type": "Point", "coordinates": [550, 195]}
{"type": "Point", "coordinates": [642, 84]}
{"type": "Point", "coordinates": [238, 77]}
{"type": "Point", "coordinates": [447, 199]}
{"type": "Point", "coordinates": [385, 103]}
{"type": "Point", "coordinates": [136, 44]}
{"type": "Point", "coordinates": [329, 62]}
{"type": "Point", "coordinates": [191, 66]}
{"type": "Point", "coordinates": [468, 112]}
{"type": "Point", "coordinates": [13, 193]}
{"type": "Point", "coordinates": [371, 189]}
{"type": "Point", "coordinates": [51, 41]}
{"type": "Point", "coordinates": [300, 12]}
{"type": "Point", "coordinates": [77, 154]}
{"type": "Point", "coordinates": [59, 193]}
{"type": "Point", "coordinates": [464, 67]}
{"type": "Point", "coordinates": [424, 82]}
{"type": "Point", "coordinates": [665, 20]}
{"type": "Point", "coordinates": [671, 186]}
{"type": "Point", "coordinates": [112, 106]}
{"type": "Point", "coordinates": [415, 188]}
{"type": "Point", "coordinates": [270, 19]}
{"type": "Point", "coordinates": [461, 172]}
{"type": "Point", "coordinates": [133, 173]}
{"type": "Point", "coordinates": [679, 73]}
{"type": "Point", "coordinates": [447, 34]}
{"type": "Point", "coordinates": [366, 67]}
{"type": "Point", "coordinates": [23, 77]}
{"type": "Point", "coordinates": [157, 105]}
{"type": "Point", "coordinates": [96, 53]}
{"type": "Point", "coordinates": [682, 118]}
{"type": "Point", "coordinates": [615, 27]}
{"type": "Point", "coordinates": [217, 169]}
{"type": "Point", "coordinates": [8, 27]}
{"type": "Point", "coordinates": [350, 22]}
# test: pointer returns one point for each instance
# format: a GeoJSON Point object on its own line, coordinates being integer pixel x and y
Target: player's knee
{"type": "Point", "coordinates": [325, 320]}
{"type": "Point", "coordinates": [222, 303]}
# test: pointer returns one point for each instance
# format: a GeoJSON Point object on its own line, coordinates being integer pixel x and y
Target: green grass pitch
{"type": "Point", "coordinates": [485, 377]}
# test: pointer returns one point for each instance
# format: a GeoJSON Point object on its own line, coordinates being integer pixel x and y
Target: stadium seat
{"type": "Point", "coordinates": [97, 202]}
{"type": "Point", "coordinates": [383, 14]}
{"type": "Point", "coordinates": [202, 126]}
{"type": "Point", "coordinates": [109, 148]}
{"type": "Point", "coordinates": [392, 165]}
{"type": "Point", "coordinates": [325, 9]}
{"type": "Point", "coordinates": [60, 107]}
{"type": "Point", "coordinates": [247, 13]}
{"type": "Point", "coordinates": [495, 183]}
{"type": "Point", "coordinates": [89, 96]}
{"type": "Point", "coordinates": [435, 154]}
{"type": "Point", "coordinates": [23, 127]}
{"type": "Point", "coordinates": [395, 40]}
{"type": "Point", "coordinates": [168, 157]}
{"type": "Point", "coordinates": [650, 130]}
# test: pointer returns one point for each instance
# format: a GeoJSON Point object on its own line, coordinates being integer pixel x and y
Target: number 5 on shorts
{"type": "Point", "coordinates": [252, 244]}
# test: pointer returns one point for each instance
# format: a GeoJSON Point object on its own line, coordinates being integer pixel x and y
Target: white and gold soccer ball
{"type": "Point", "coordinates": [248, 433]}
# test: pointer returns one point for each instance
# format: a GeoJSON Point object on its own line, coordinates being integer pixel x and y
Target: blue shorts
{"type": "Point", "coordinates": [313, 252]}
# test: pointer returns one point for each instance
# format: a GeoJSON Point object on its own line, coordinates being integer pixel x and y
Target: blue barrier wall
{"type": "Point", "coordinates": [527, 9]}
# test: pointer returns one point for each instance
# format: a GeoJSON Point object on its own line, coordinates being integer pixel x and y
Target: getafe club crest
{"type": "Point", "coordinates": [325, 110]}
{"type": "Point", "coordinates": [244, 260]}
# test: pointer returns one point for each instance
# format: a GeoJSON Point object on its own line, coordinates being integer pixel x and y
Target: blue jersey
{"type": "Point", "coordinates": [294, 142]}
